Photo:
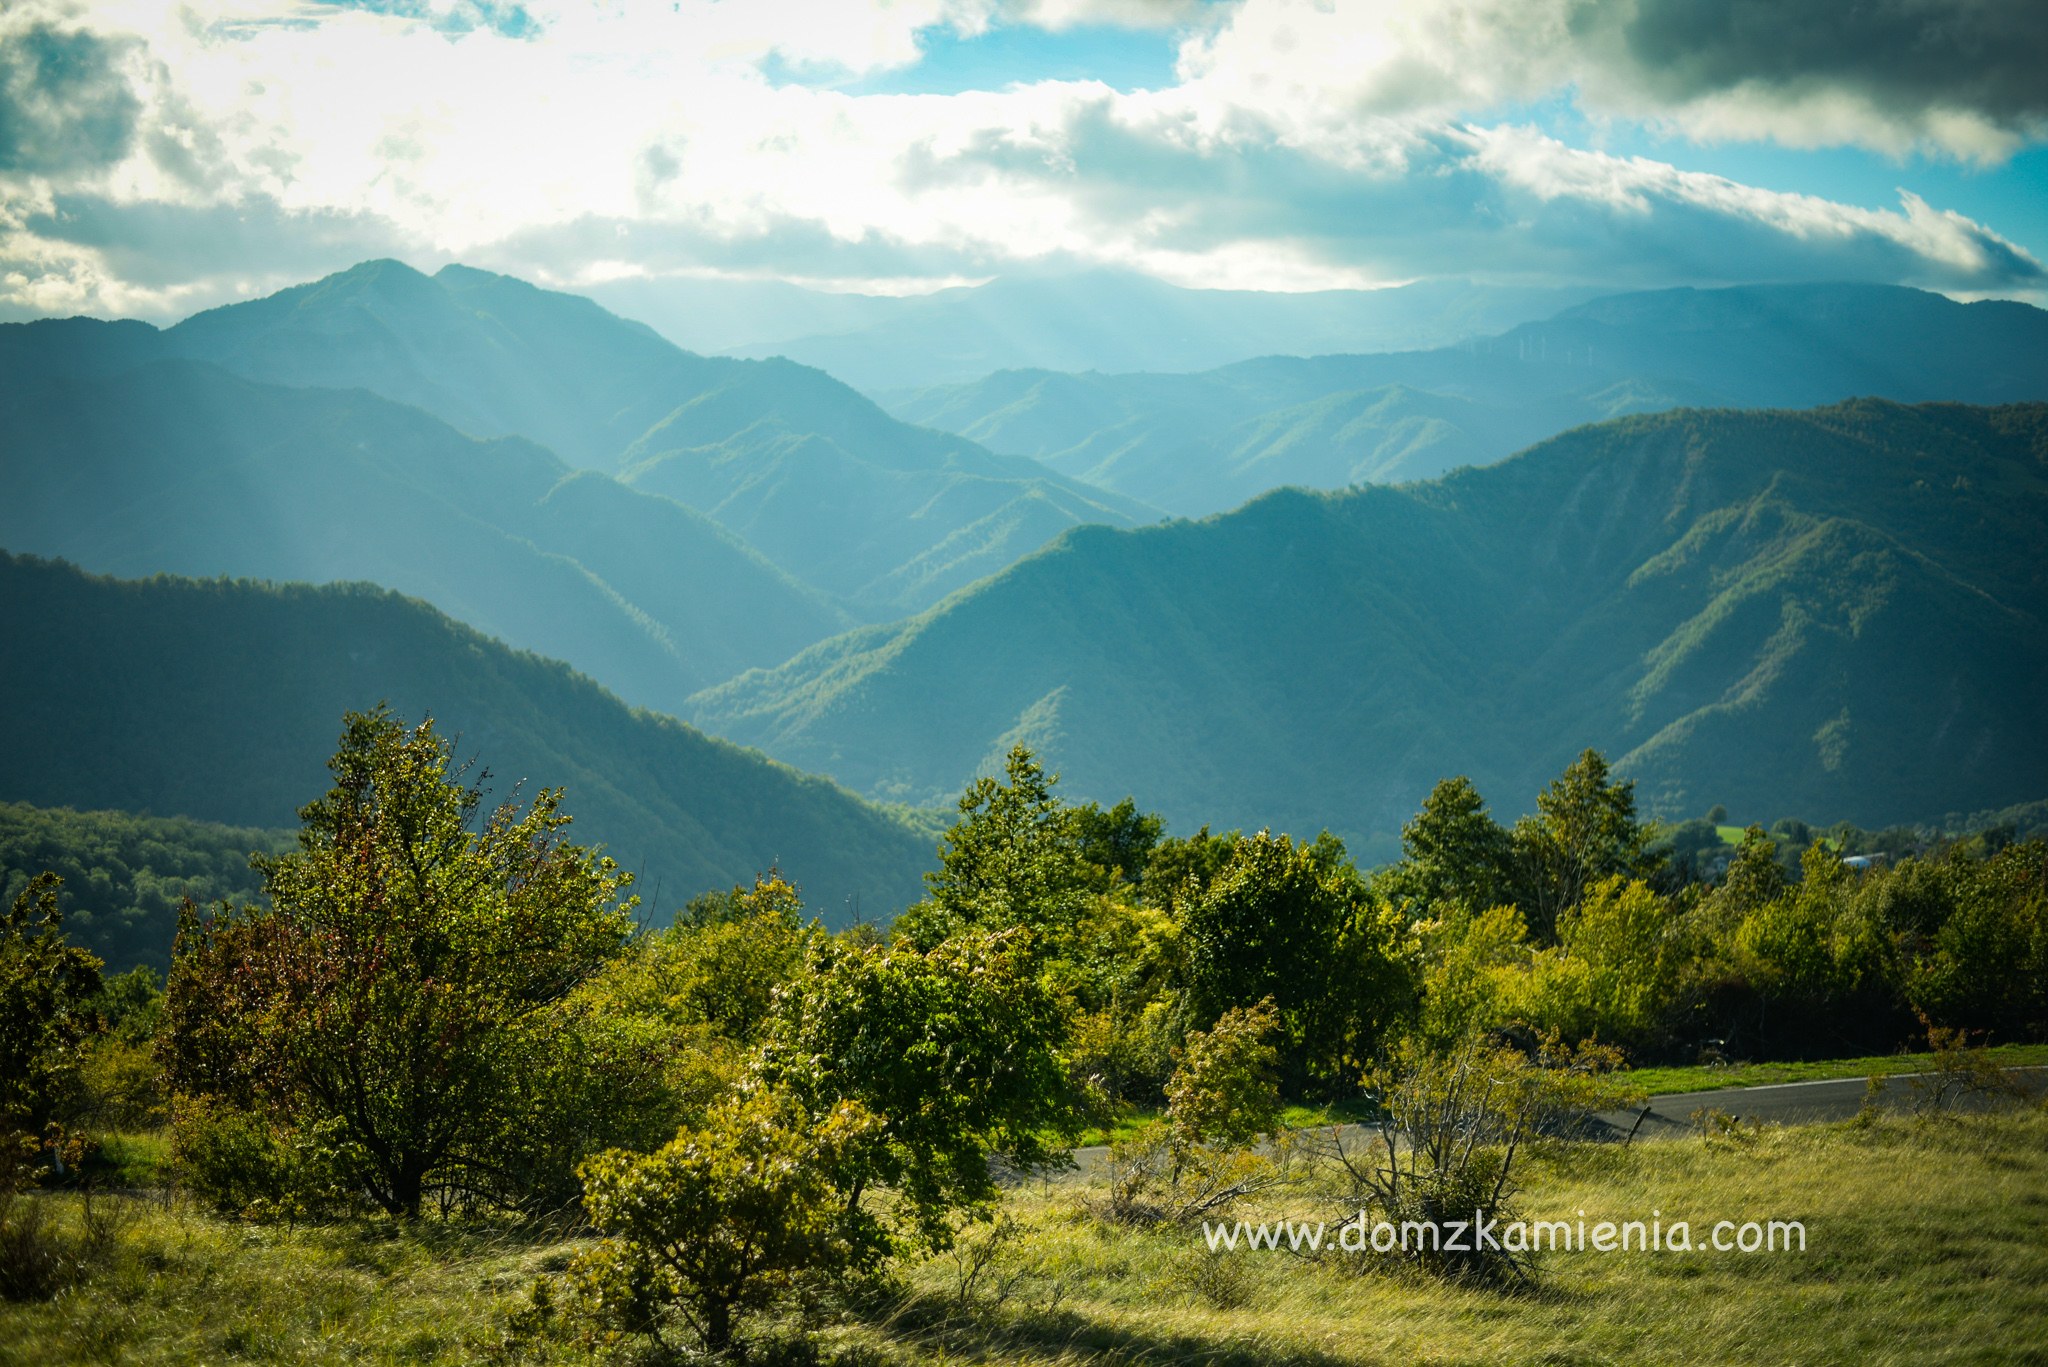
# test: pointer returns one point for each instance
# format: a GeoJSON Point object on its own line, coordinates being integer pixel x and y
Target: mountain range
{"type": "Point", "coordinates": [912, 514]}
{"type": "Point", "coordinates": [1839, 612]}
{"type": "Point", "coordinates": [1203, 443]}
{"type": "Point", "coordinates": [177, 466]}
{"type": "Point", "coordinates": [221, 700]}
{"type": "Point", "coordinates": [1054, 319]}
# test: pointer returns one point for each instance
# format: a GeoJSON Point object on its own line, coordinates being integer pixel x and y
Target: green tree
{"type": "Point", "coordinates": [1454, 854]}
{"type": "Point", "coordinates": [1118, 982]}
{"type": "Point", "coordinates": [1473, 963]}
{"type": "Point", "coordinates": [48, 988]}
{"type": "Point", "coordinates": [726, 1217]}
{"type": "Point", "coordinates": [1987, 966]}
{"type": "Point", "coordinates": [1014, 858]}
{"type": "Point", "coordinates": [1585, 829]}
{"type": "Point", "coordinates": [1614, 972]}
{"type": "Point", "coordinates": [1292, 922]}
{"type": "Point", "coordinates": [1182, 866]}
{"type": "Point", "coordinates": [724, 968]}
{"type": "Point", "coordinates": [1755, 878]}
{"type": "Point", "coordinates": [1226, 1088]}
{"type": "Point", "coordinates": [1119, 841]}
{"type": "Point", "coordinates": [955, 1050]}
{"type": "Point", "coordinates": [393, 990]}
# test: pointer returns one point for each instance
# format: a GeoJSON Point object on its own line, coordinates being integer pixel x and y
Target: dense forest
{"type": "Point", "coordinates": [217, 700]}
{"type": "Point", "coordinates": [125, 876]}
{"type": "Point", "coordinates": [1834, 613]}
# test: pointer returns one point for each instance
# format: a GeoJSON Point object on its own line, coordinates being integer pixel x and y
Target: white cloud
{"type": "Point", "coordinates": [1959, 78]}
{"type": "Point", "coordinates": [1308, 145]}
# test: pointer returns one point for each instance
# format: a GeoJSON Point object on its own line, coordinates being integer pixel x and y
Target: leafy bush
{"type": "Point", "coordinates": [1222, 1101]}
{"type": "Point", "coordinates": [1474, 963]}
{"type": "Point", "coordinates": [955, 1050]}
{"type": "Point", "coordinates": [724, 1219]}
{"type": "Point", "coordinates": [1226, 1090]}
{"type": "Point", "coordinates": [47, 990]}
{"type": "Point", "coordinates": [240, 1163]}
{"type": "Point", "coordinates": [1451, 1128]}
{"type": "Point", "coordinates": [397, 992]}
{"type": "Point", "coordinates": [1294, 922]}
{"type": "Point", "coordinates": [1987, 965]}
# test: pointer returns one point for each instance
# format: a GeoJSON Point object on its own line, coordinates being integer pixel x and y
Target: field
{"type": "Point", "coordinates": [1923, 1245]}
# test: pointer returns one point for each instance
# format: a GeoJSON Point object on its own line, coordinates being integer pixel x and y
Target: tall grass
{"type": "Point", "coordinates": [1924, 1245]}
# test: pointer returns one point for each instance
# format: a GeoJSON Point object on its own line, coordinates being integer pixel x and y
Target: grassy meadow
{"type": "Point", "coordinates": [1923, 1246]}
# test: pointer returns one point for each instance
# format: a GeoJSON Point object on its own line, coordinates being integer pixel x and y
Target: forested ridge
{"type": "Point", "coordinates": [1836, 612]}
{"type": "Point", "coordinates": [218, 699]}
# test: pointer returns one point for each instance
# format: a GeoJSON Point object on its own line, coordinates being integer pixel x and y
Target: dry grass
{"type": "Point", "coordinates": [1924, 1246]}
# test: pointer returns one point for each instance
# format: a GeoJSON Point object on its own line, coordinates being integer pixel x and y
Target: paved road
{"type": "Point", "coordinates": [1790, 1103]}
{"type": "Point", "coordinates": [1785, 1103]}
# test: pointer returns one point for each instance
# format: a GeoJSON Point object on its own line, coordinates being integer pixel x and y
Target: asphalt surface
{"type": "Point", "coordinates": [1784, 1103]}
{"type": "Point", "coordinates": [1795, 1103]}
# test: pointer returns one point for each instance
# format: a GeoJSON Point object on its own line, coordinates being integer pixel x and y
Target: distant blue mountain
{"type": "Point", "coordinates": [1203, 443]}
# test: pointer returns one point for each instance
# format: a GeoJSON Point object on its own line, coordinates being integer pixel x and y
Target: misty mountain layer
{"type": "Point", "coordinates": [177, 466]}
{"type": "Point", "coordinates": [886, 517]}
{"type": "Point", "coordinates": [1198, 444]}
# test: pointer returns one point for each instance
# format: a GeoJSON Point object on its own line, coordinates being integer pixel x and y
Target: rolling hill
{"type": "Point", "coordinates": [1197, 444]}
{"type": "Point", "coordinates": [220, 700]}
{"type": "Point", "coordinates": [884, 516]}
{"type": "Point", "coordinates": [1839, 612]}
{"type": "Point", "coordinates": [177, 466]}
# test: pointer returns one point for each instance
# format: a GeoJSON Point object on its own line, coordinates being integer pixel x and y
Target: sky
{"type": "Point", "coordinates": [162, 156]}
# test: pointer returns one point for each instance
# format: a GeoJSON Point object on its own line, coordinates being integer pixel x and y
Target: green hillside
{"type": "Point", "coordinates": [1837, 612]}
{"type": "Point", "coordinates": [126, 875]}
{"type": "Point", "coordinates": [860, 505]}
{"type": "Point", "coordinates": [221, 700]}
{"type": "Point", "coordinates": [1203, 443]}
{"type": "Point", "coordinates": [176, 466]}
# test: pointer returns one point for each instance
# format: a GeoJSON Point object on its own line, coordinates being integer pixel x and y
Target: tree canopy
{"type": "Point", "coordinates": [388, 988]}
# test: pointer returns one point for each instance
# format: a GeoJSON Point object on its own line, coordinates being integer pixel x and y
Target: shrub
{"type": "Point", "coordinates": [1226, 1090]}
{"type": "Point", "coordinates": [1614, 972]}
{"type": "Point", "coordinates": [395, 992]}
{"type": "Point", "coordinates": [47, 990]}
{"type": "Point", "coordinates": [1474, 963]}
{"type": "Point", "coordinates": [1451, 1128]}
{"type": "Point", "coordinates": [1223, 1098]}
{"type": "Point", "coordinates": [240, 1163]}
{"type": "Point", "coordinates": [956, 1051]}
{"type": "Point", "coordinates": [1987, 965]}
{"type": "Point", "coordinates": [724, 1219]}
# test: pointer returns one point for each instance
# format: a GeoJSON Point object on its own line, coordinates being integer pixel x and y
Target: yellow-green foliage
{"type": "Point", "coordinates": [1611, 974]}
{"type": "Point", "coordinates": [1474, 963]}
{"type": "Point", "coordinates": [723, 1219]}
{"type": "Point", "coordinates": [1227, 1087]}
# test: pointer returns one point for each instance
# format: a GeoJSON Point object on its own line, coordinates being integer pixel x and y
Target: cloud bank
{"type": "Point", "coordinates": [155, 160]}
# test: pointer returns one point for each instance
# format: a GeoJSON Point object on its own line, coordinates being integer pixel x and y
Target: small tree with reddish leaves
{"type": "Point", "coordinates": [392, 993]}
